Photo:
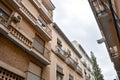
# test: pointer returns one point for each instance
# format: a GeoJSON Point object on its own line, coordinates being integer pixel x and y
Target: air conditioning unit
{"type": "Point", "coordinates": [16, 17]}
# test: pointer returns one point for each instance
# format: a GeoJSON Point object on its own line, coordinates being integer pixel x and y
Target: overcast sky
{"type": "Point", "coordinates": [76, 20]}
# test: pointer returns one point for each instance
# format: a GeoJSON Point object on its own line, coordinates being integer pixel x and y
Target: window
{"type": "Point", "coordinates": [39, 44]}
{"type": "Point", "coordinates": [59, 73]}
{"type": "Point", "coordinates": [4, 12]}
{"type": "Point", "coordinates": [85, 72]}
{"type": "Point", "coordinates": [59, 76]}
{"type": "Point", "coordinates": [70, 77]}
{"type": "Point", "coordinates": [42, 24]}
{"type": "Point", "coordinates": [34, 72]}
{"type": "Point", "coordinates": [3, 16]}
{"type": "Point", "coordinates": [59, 43]}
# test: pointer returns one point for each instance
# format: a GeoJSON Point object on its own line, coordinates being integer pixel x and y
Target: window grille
{"type": "Point", "coordinates": [7, 75]}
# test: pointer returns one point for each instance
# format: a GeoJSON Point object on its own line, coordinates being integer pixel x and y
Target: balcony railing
{"type": "Point", "coordinates": [71, 62]}
{"type": "Point", "coordinates": [28, 13]}
{"type": "Point", "coordinates": [84, 63]}
{"type": "Point", "coordinates": [12, 30]}
{"type": "Point", "coordinates": [19, 37]}
{"type": "Point", "coordinates": [60, 52]}
{"type": "Point", "coordinates": [45, 27]}
{"type": "Point", "coordinates": [88, 67]}
{"type": "Point", "coordinates": [34, 21]}
{"type": "Point", "coordinates": [79, 70]}
{"type": "Point", "coordinates": [16, 33]}
{"type": "Point", "coordinates": [98, 7]}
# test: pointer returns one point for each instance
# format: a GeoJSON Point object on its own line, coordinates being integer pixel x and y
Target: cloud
{"type": "Point", "coordinates": [76, 20]}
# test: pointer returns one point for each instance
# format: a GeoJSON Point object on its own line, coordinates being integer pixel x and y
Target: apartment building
{"type": "Point", "coordinates": [25, 35]}
{"type": "Point", "coordinates": [85, 61]}
{"type": "Point", "coordinates": [65, 59]}
{"type": "Point", "coordinates": [107, 14]}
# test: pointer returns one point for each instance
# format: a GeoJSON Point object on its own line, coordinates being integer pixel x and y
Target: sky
{"type": "Point", "coordinates": [76, 20]}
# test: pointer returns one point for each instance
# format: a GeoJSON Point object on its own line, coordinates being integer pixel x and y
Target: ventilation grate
{"type": "Point", "coordinates": [7, 75]}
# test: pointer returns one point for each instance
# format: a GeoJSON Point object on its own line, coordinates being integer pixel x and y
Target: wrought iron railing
{"type": "Point", "coordinates": [72, 62]}
{"type": "Point", "coordinates": [79, 70]}
{"type": "Point", "coordinates": [59, 50]}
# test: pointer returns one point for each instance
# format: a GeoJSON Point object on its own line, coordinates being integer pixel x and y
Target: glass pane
{"type": "Point", "coordinates": [59, 76]}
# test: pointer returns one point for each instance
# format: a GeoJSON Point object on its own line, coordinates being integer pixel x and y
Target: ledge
{"type": "Point", "coordinates": [12, 69]}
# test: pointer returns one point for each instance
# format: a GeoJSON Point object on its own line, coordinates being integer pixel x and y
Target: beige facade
{"type": "Point", "coordinates": [107, 14]}
{"type": "Point", "coordinates": [85, 61]}
{"type": "Point", "coordinates": [32, 47]}
{"type": "Point", "coordinates": [25, 36]}
{"type": "Point", "coordinates": [65, 59]}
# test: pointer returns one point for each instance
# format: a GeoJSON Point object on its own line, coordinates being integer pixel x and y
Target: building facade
{"type": "Point", "coordinates": [32, 47]}
{"type": "Point", "coordinates": [86, 62]}
{"type": "Point", "coordinates": [65, 59]}
{"type": "Point", "coordinates": [107, 14]}
{"type": "Point", "coordinates": [25, 36]}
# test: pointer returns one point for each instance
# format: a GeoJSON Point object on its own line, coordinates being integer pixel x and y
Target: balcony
{"type": "Point", "coordinates": [60, 53]}
{"type": "Point", "coordinates": [100, 10]}
{"type": "Point", "coordinates": [88, 67]}
{"type": "Point", "coordinates": [79, 70]}
{"type": "Point", "coordinates": [98, 7]}
{"type": "Point", "coordinates": [44, 31]}
{"type": "Point", "coordinates": [84, 63]}
{"type": "Point", "coordinates": [21, 39]}
{"type": "Point", "coordinates": [108, 26]}
{"type": "Point", "coordinates": [72, 63]}
{"type": "Point", "coordinates": [43, 10]}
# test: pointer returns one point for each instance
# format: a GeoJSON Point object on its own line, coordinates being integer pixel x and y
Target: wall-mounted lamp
{"type": "Point", "coordinates": [100, 41]}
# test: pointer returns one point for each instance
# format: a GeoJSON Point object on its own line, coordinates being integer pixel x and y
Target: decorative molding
{"type": "Point", "coordinates": [12, 69]}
